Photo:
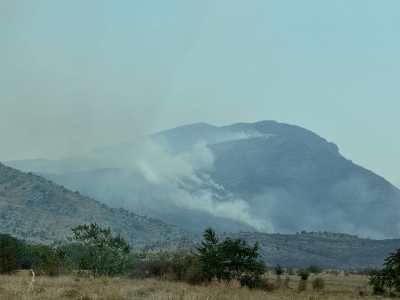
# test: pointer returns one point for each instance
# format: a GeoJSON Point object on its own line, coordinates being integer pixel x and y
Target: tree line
{"type": "Point", "coordinates": [95, 251]}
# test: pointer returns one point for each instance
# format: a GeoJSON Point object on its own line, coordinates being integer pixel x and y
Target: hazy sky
{"type": "Point", "coordinates": [77, 74]}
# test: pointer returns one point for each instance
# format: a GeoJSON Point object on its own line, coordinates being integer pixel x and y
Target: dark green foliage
{"type": "Point", "coordinates": [15, 254]}
{"type": "Point", "coordinates": [8, 254]}
{"type": "Point", "coordinates": [209, 255]}
{"type": "Point", "coordinates": [230, 259]}
{"type": "Point", "coordinates": [194, 273]}
{"type": "Point", "coordinates": [105, 254]}
{"type": "Point", "coordinates": [303, 274]}
{"type": "Point", "coordinates": [45, 260]}
{"type": "Point", "coordinates": [387, 280]}
{"type": "Point", "coordinates": [383, 281]}
{"type": "Point", "coordinates": [278, 270]}
{"type": "Point", "coordinates": [222, 260]}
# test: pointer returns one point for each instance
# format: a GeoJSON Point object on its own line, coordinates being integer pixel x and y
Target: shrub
{"type": "Point", "coordinates": [46, 260]}
{"type": "Point", "coordinates": [178, 266]}
{"type": "Point", "coordinates": [194, 273]}
{"type": "Point", "coordinates": [278, 270]}
{"type": "Point", "coordinates": [303, 274]}
{"type": "Point", "coordinates": [318, 284]}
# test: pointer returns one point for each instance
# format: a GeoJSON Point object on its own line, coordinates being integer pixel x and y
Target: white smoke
{"type": "Point", "coordinates": [177, 177]}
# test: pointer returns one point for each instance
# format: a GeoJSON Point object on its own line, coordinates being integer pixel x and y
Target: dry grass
{"type": "Point", "coordinates": [60, 288]}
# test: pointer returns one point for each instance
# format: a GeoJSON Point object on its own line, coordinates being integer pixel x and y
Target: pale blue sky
{"type": "Point", "coordinates": [80, 74]}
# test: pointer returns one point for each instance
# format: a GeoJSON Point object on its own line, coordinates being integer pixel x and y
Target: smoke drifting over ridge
{"type": "Point", "coordinates": [181, 180]}
{"type": "Point", "coordinates": [265, 176]}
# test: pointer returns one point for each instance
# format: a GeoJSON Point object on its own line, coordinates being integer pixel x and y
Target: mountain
{"type": "Point", "coordinates": [264, 176]}
{"type": "Point", "coordinates": [35, 209]}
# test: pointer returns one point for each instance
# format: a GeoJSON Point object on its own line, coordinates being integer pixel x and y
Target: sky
{"type": "Point", "coordinates": [77, 75]}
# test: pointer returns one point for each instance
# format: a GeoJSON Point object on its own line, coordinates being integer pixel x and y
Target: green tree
{"type": "Point", "coordinates": [210, 256]}
{"type": "Point", "coordinates": [8, 254]}
{"type": "Point", "coordinates": [387, 280]}
{"type": "Point", "coordinates": [106, 254]}
{"type": "Point", "coordinates": [230, 259]}
{"type": "Point", "coordinates": [47, 260]}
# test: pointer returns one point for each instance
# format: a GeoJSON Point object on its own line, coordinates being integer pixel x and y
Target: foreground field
{"type": "Point", "coordinates": [19, 286]}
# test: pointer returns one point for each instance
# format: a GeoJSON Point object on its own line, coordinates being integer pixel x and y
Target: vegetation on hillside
{"type": "Point", "coordinates": [95, 251]}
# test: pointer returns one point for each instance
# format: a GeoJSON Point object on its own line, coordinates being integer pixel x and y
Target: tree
{"type": "Point", "coordinates": [387, 280]}
{"type": "Point", "coordinates": [106, 254]}
{"type": "Point", "coordinates": [230, 259]}
{"type": "Point", "coordinates": [45, 260]}
{"type": "Point", "coordinates": [209, 255]}
{"type": "Point", "coordinates": [8, 254]}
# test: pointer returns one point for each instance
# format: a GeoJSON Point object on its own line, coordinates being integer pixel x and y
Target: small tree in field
{"type": "Point", "coordinates": [106, 254]}
{"type": "Point", "coordinates": [230, 259]}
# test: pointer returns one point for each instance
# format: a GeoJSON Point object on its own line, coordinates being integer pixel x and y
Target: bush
{"type": "Point", "coordinates": [194, 273]}
{"type": "Point", "coordinates": [178, 266]}
{"type": "Point", "coordinates": [46, 260]}
{"type": "Point", "coordinates": [278, 270]}
{"type": "Point", "coordinates": [303, 274]}
{"type": "Point", "coordinates": [318, 284]}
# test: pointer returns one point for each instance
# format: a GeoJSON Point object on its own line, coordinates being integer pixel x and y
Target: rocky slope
{"type": "Point", "coordinates": [38, 210]}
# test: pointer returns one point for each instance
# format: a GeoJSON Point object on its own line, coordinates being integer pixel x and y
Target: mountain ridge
{"type": "Point", "coordinates": [271, 176]}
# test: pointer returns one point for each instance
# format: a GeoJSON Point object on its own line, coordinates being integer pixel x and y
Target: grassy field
{"type": "Point", "coordinates": [19, 286]}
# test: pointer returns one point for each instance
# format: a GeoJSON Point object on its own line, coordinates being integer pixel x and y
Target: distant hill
{"type": "Point", "coordinates": [38, 210]}
{"type": "Point", "coordinates": [264, 176]}
{"type": "Point", "coordinates": [327, 250]}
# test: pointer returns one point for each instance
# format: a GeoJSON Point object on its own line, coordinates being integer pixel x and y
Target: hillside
{"type": "Point", "coordinates": [327, 250]}
{"type": "Point", "coordinates": [38, 210]}
{"type": "Point", "coordinates": [264, 176]}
